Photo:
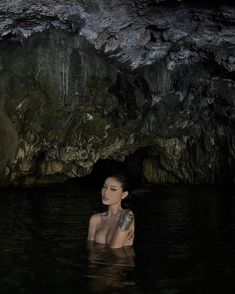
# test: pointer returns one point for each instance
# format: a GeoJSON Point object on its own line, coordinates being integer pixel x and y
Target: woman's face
{"type": "Point", "coordinates": [112, 192]}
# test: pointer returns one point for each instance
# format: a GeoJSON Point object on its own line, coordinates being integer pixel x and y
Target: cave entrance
{"type": "Point", "coordinates": [131, 167]}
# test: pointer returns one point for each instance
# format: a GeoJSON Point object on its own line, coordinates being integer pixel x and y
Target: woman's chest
{"type": "Point", "coordinates": [105, 231]}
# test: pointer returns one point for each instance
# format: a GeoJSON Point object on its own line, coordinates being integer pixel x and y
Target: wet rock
{"type": "Point", "coordinates": [82, 81]}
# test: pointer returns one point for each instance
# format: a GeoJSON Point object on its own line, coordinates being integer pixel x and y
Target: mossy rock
{"type": "Point", "coordinates": [94, 127]}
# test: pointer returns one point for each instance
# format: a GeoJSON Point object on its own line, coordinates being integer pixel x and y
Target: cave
{"type": "Point", "coordinates": [131, 167]}
{"type": "Point", "coordinates": [156, 95]}
{"type": "Point", "coordinates": [92, 88]}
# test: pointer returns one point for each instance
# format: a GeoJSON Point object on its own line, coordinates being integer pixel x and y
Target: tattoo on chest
{"type": "Point", "coordinates": [126, 220]}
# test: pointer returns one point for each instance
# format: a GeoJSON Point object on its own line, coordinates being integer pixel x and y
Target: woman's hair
{"type": "Point", "coordinates": [122, 180]}
{"type": "Point", "coordinates": [125, 187]}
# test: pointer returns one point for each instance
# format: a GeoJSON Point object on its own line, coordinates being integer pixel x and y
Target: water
{"type": "Point", "coordinates": [185, 243]}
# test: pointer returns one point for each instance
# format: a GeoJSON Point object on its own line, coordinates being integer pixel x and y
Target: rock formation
{"type": "Point", "coordinates": [82, 81]}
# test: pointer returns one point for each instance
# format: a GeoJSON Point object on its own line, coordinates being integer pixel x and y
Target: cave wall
{"type": "Point", "coordinates": [82, 81]}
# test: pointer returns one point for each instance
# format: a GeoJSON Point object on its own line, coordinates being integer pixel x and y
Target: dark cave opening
{"type": "Point", "coordinates": [131, 168]}
{"type": "Point", "coordinates": [134, 169]}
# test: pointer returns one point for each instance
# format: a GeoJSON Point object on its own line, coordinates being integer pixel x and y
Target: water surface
{"type": "Point", "coordinates": [185, 242]}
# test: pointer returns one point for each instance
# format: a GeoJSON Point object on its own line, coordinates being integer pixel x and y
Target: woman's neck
{"type": "Point", "coordinates": [114, 210]}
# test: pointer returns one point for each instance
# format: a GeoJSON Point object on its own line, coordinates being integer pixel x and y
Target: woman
{"type": "Point", "coordinates": [116, 226]}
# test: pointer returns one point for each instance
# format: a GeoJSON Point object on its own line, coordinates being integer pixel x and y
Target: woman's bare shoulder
{"type": "Point", "coordinates": [128, 213]}
{"type": "Point", "coordinates": [96, 217]}
{"type": "Point", "coordinates": [126, 220]}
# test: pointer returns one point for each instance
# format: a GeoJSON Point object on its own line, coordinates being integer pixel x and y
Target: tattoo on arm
{"type": "Point", "coordinates": [126, 220]}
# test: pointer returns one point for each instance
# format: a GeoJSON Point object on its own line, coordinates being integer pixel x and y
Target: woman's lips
{"type": "Point", "coordinates": [105, 198]}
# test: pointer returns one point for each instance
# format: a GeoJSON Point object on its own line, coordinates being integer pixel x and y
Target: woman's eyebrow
{"type": "Point", "coordinates": [110, 186]}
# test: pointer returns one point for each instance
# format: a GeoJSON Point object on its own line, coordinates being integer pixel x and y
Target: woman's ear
{"type": "Point", "coordinates": [124, 194]}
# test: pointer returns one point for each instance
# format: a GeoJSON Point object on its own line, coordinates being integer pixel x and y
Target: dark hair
{"type": "Point", "coordinates": [125, 187]}
{"type": "Point", "coordinates": [122, 180]}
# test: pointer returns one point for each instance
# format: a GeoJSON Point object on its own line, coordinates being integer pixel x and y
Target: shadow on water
{"type": "Point", "coordinates": [108, 269]}
{"type": "Point", "coordinates": [185, 242]}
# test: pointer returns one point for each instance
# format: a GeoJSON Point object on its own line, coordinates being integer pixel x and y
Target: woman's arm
{"type": "Point", "coordinates": [125, 228]}
{"type": "Point", "coordinates": [94, 219]}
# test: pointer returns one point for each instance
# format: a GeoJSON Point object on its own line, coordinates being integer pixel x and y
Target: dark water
{"type": "Point", "coordinates": [185, 243]}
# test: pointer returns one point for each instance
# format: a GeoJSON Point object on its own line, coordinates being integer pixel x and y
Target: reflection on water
{"type": "Point", "coordinates": [108, 268]}
{"type": "Point", "coordinates": [184, 243]}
